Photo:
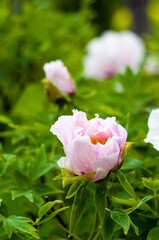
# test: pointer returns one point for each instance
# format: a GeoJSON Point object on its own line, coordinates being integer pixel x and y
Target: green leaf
{"type": "Point", "coordinates": [127, 147]}
{"type": "Point", "coordinates": [136, 229]}
{"type": "Point", "coordinates": [74, 189]}
{"type": "Point", "coordinates": [122, 219]}
{"type": "Point", "coordinates": [52, 215]}
{"type": "Point", "coordinates": [151, 184]}
{"type": "Point", "coordinates": [46, 207]}
{"type": "Point", "coordinates": [78, 208]}
{"type": "Point", "coordinates": [130, 164]}
{"type": "Point", "coordinates": [153, 234]}
{"type": "Point", "coordinates": [108, 227]}
{"type": "Point", "coordinates": [46, 189]}
{"type": "Point", "coordinates": [9, 157]}
{"type": "Point", "coordinates": [3, 167]}
{"type": "Point", "coordinates": [58, 177]}
{"type": "Point", "coordinates": [69, 178]}
{"type": "Point", "coordinates": [4, 119]}
{"type": "Point", "coordinates": [22, 179]}
{"type": "Point", "coordinates": [57, 238]}
{"type": "Point", "coordinates": [13, 223]}
{"type": "Point", "coordinates": [132, 202]}
{"type": "Point", "coordinates": [41, 165]}
{"type": "Point", "coordinates": [125, 122]}
{"type": "Point", "coordinates": [100, 199]}
{"type": "Point", "coordinates": [140, 203]}
{"type": "Point", "coordinates": [19, 193]}
{"type": "Point", "coordinates": [125, 184]}
{"type": "Point", "coordinates": [8, 228]}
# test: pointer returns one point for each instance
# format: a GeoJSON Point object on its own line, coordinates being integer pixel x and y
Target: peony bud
{"type": "Point", "coordinates": [58, 81]}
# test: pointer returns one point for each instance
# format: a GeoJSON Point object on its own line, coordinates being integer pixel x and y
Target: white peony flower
{"type": "Point", "coordinates": [111, 53]}
{"type": "Point", "coordinates": [153, 124]}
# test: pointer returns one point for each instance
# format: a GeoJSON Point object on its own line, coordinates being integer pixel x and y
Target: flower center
{"type": "Point", "coordinates": [96, 140]}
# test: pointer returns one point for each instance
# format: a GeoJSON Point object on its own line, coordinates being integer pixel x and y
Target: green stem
{"type": "Point", "coordinates": [65, 229]}
{"type": "Point", "coordinates": [94, 226]}
{"type": "Point", "coordinates": [97, 234]}
{"type": "Point", "coordinates": [156, 204]}
{"type": "Point", "coordinates": [2, 217]}
{"type": "Point", "coordinates": [19, 236]}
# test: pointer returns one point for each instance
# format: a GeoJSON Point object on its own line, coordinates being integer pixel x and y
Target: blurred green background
{"type": "Point", "coordinates": [38, 31]}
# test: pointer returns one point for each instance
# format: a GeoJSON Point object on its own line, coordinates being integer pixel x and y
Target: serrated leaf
{"type": "Point", "coordinates": [122, 219]}
{"type": "Point", "coordinates": [151, 184]}
{"type": "Point", "coordinates": [100, 199]}
{"type": "Point", "coordinates": [8, 228]}
{"type": "Point", "coordinates": [153, 234]}
{"type": "Point", "coordinates": [132, 202]}
{"type": "Point", "coordinates": [46, 207]}
{"type": "Point", "coordinates": [52, 215]}
{"type": "Point", "coordinates": [125, 184]}
{"type": "Point", "coordinates": [78, 208]}
{"type": "Point", "coordinates": [140, 203]}
{"type": "Point", "coordinates": [74, 189]}
{"type": "Point", "coordinates": [19, 223]}
{"type": "Point", "coordinates": [19, 193]}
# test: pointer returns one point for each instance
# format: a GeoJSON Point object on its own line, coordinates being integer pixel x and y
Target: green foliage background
{"type": "Point", "coordinates": [35, 32]}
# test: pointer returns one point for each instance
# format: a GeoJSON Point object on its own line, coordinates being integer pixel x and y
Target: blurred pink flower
{"type": "Point", "coordinates": [111, 53]}
{"type": "Point", "coordinates": [94, 145]}
{"type": "Point", "coordinates": [59, 76]}
{"type": "Point", "coordinates": [153, 134]}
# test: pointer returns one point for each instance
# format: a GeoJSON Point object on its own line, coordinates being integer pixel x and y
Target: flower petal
{"type": "Point", "coordinates": [82, 153]}
{"type": "Point", "coordinates": [68, 127]}
{"type": "Point", "coordinates": [108, 156]}
{"type": "Point", "coordinates": [100, 174]}
{"type": "Point", "coordinates": [153, 134]}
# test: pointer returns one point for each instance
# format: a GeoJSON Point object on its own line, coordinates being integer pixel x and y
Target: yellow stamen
{"type": "Point", "coordinates": [96, 140]}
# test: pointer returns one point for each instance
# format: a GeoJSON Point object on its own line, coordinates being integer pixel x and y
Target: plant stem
{"type": "Point", "coordinates": [19, 236]}
{"type": "Point", "coordinates": [94, 226]}
{"type": "Point", "coordinates": [2, 217]}
{"type": "Point", "coordinates": [156, 204]}
{"type": "Point", "coordinates": [66, 230]}
{"type": "Point", "coordinates": [97, 234]}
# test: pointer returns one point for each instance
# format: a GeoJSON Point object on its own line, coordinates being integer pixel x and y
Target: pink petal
{"type": "Point", "coordinates": [108, 156]}
{"type": "Point", "coordinates": [81, 153]}
{"type": "Point", "coordinates": [100, 174]}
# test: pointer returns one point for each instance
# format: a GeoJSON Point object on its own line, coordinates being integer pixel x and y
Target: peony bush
{"type": "Point", "coordinates": [94, 176]}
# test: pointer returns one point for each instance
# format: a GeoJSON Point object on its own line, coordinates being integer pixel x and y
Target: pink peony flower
{"type": "Point", "coordinates": [59, 76]}
{"type": "Point", "coordinates": [94, 145]}
{"type": "Point", "coordinates": [111, 53]}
